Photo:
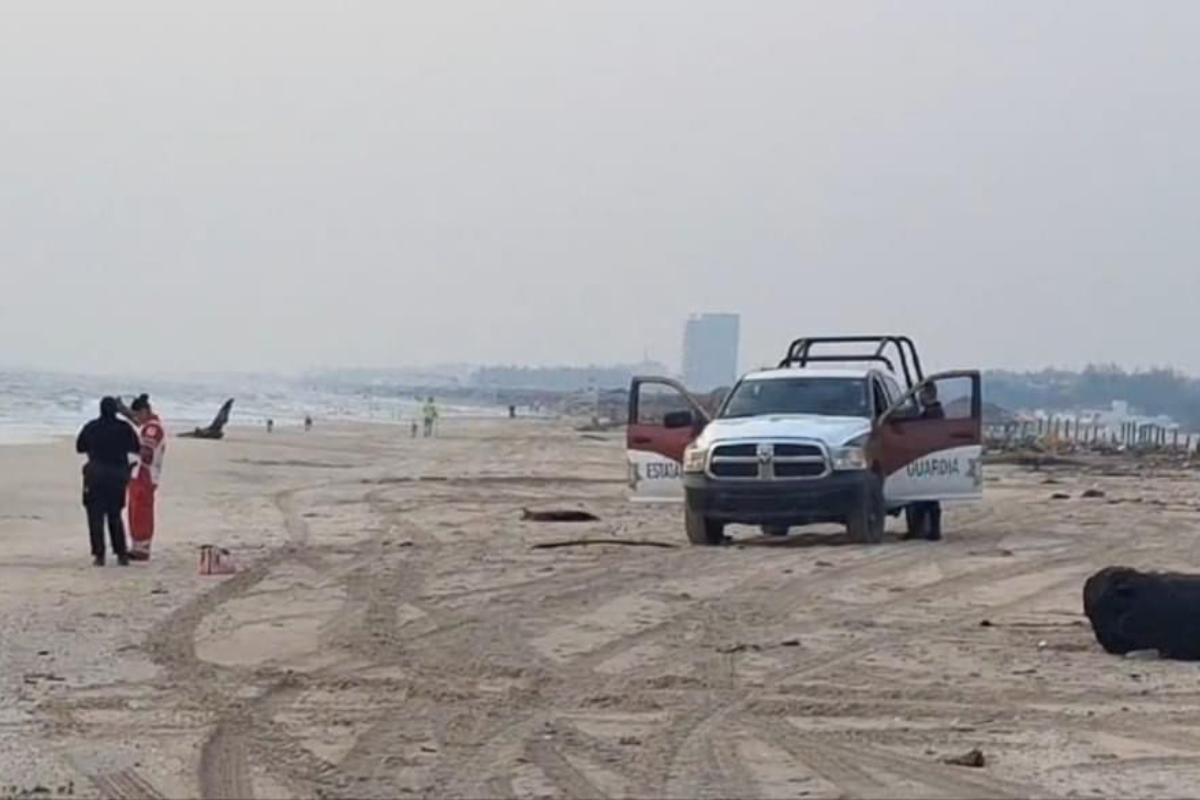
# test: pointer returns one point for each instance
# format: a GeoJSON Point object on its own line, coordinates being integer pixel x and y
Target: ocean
{"type": "Point", "coordinates": [40, 406]}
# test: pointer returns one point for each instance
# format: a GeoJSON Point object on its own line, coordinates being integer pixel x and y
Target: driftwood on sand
{"type": "Point", "coordinates": [590, 542]}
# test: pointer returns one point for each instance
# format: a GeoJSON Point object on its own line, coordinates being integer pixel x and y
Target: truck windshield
{"type": "Point", "coordinates": [827, 397]}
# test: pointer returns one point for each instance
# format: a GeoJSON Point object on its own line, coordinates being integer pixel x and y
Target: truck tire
{"type": "Point", "coordinates": [775, 530]}
{"type": "Point", "coordinates": [866, 522]}
{"type": "Point", "coordinates": [701, 530]}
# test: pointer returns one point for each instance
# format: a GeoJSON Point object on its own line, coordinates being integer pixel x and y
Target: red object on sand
{"type": "Point", "coordinates": [215, 561]}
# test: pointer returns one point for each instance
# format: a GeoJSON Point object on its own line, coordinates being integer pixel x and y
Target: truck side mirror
{"type": "Point", "coordinates": [679, 419]}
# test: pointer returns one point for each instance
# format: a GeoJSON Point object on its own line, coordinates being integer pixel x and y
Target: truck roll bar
{"type": "Point", "coordinates": [800, 353]}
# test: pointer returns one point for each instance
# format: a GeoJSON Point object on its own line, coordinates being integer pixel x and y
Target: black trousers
{"type": "Point", "coordinates": [104, 499]}
{"type": "Point", "coordinates": [932, 523]}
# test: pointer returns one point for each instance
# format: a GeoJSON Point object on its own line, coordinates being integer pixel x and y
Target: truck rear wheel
{"type": "Point", "coordinates": [866, 522]}
{"type": "Point", "coordinates": [702, 530]}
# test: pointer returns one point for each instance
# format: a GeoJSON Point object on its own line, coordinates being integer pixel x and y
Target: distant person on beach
{"type": "Point", "coordinates": [415, 428]}
{"type": "Point", "coordinates": [270, 426]}
{"type": "Point", "coordinates": [308, 423]}
{"type": "Point", "coordinates": [147, 473]}
{"type": "Point", "coordinates": [108, 442]}
{"type": "Point", "coordinates": [430, 413]}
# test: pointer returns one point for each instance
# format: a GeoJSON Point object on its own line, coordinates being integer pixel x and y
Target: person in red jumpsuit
{"type": "Point", "coordinates": [152, 438]}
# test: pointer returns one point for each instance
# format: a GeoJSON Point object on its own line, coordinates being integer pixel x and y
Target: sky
{"type": "Point", "coordinates": [275, 186]}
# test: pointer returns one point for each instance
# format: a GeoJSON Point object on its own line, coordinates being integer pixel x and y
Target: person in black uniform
{"type": "Point", "coordinates": [929, 514]}
{"type": "Point", "coordinates": [107, 441]}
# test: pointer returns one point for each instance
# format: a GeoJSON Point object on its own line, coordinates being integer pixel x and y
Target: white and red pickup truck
{"type": "Point", "coordinates": [827, 437]}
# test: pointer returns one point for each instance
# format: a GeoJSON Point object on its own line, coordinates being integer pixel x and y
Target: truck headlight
{"type": "Point", "coordinates": [694, 459]}
{"type": "Point", "coordinates": [849, 458]}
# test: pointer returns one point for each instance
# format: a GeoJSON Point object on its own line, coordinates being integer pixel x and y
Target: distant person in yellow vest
{"type": "Point", "coordinates": [430, 414]}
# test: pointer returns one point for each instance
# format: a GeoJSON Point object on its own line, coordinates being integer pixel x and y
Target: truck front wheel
{"type": "Point", "coordinates": [700, 529]}
{"type": "Point", "coordinates": [866, 521]}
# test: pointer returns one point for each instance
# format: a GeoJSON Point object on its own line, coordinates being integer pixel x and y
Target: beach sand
{"type": "Point", "coordinates": [392, 631]}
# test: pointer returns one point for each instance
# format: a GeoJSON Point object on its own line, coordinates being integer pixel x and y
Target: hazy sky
{"type": "Point", "coordinates": [277, 185]}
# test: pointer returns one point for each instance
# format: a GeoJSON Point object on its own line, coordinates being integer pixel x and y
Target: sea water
{"type": "Point", "coordinates": [38, 406]}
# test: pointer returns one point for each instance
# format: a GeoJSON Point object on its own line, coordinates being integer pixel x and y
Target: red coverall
{"type": "Point", "coordinates": [143, 485]}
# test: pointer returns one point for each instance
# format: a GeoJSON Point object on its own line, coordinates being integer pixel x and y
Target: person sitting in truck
{"type": "Point", "coordinates": [931, 406]}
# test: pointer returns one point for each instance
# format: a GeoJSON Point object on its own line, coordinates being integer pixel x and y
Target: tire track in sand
{"type": "Point", "coordinates": [126, 784]}
{"type": "Point", "coordinates": [794, 591]}
{"type": "Point", "coordinates": [223, 771]}
{"type": "Point", "coordinates": [736, 709]}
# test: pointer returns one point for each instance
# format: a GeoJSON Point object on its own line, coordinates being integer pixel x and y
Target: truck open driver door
{"type": "Point", "coordinates": [929, 445]}
{"type": "Point", "coordinates": [664, 418]}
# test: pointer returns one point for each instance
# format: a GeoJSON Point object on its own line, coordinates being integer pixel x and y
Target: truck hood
{"type": "Point", "coordinates": [833, 431]}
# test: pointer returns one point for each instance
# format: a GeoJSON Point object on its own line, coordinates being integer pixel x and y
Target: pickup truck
{"type": "Point", "coordinates": [825, 437]}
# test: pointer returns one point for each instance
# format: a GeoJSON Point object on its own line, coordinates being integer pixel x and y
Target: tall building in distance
{"type": "Point", "coordinates": [710, 351]}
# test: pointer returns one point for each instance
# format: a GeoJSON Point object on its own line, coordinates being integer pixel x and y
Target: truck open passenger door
{"type": "Point", "coordinates": [664, 418]}
{"type": "Point", "coordinates": [929, 445]}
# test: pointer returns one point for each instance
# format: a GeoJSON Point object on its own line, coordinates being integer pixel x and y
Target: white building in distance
{"type": "Point", "coordinates": [710, 351]}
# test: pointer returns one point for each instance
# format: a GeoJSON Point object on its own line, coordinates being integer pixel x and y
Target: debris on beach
{"type": "Point", "coordinates": [33, 678]}
{"type": "Point", "coordinates": [1135, 612]}
{"type": "Point", "coordinates": [216, 428]}
{"type": "Point", "coordinates": [973, 758]}
{"type": "Point", "coordinates": [589, 542]}
{"type": "Point", "coordinates": [558, 515]}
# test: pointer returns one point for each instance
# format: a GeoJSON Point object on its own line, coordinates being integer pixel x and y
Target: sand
{"type": "Point", "coordinates": [391, 632]}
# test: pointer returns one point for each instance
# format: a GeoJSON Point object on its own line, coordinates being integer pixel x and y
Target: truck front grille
{"type": "Point", "coordinates": [768, 461]}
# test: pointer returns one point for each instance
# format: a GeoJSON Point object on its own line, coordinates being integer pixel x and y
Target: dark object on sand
{"type": "Point", "coordinates": [587, 542]}
{"type": "Point", "coordinates": [974, 759]}
{"type": "Point", "coordinates": [1131, 610]}
{"type": "Point", "coordinates": [1060, 496]}
{"type": "Point", "coordinates": [1093, 494]}
{"type": "Point", "coordinates": [568, 515]}
{"type": "Point", "coordinates": [216, 430]}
